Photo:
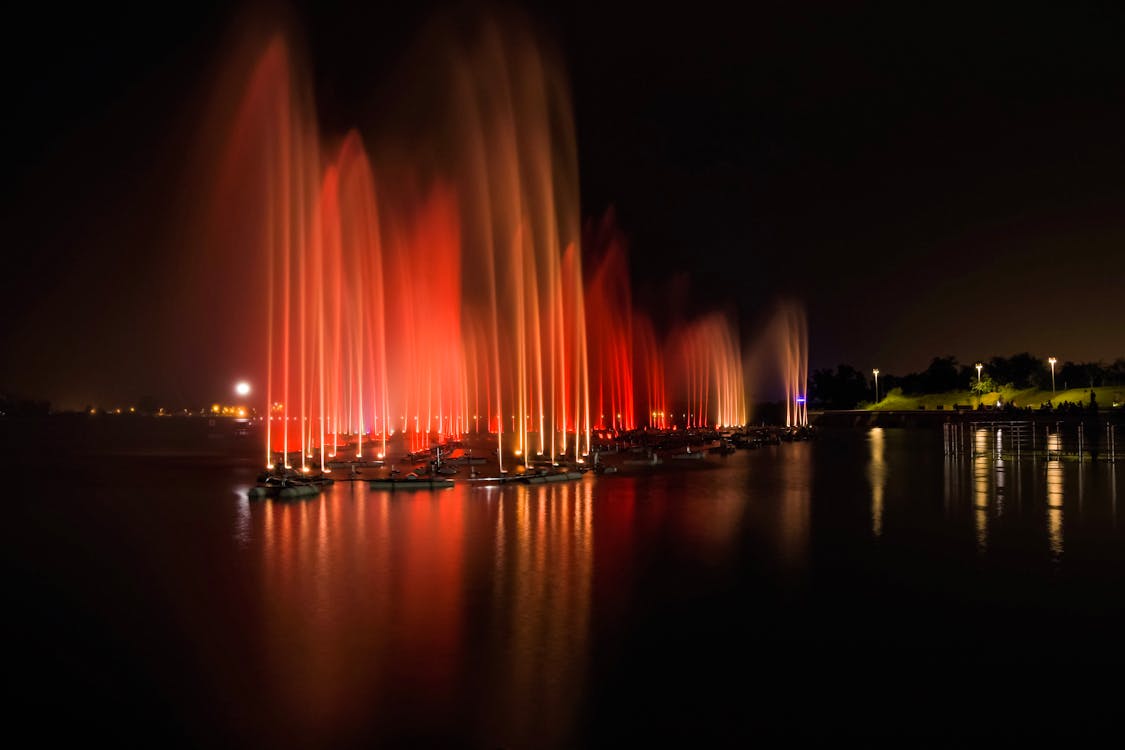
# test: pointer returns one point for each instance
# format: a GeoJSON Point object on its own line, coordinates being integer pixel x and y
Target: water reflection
{"type": "Point", "coordinates": [430, 609]}
{"type": "Point", "coordinates": [1055, 507]}
{"type": "Point", "coordinates": [796, 473]}
{"type": "Point", "coordinates": [981, 476]}
{"type": "Point", "coordinates": [877, 475]}
{"type": "Point", "coordinates": [540, 606]}
{"type": "Point", "coordinates": [242, 515]}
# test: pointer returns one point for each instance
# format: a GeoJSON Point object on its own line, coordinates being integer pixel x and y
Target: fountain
{"type": "Point", "coordinates": [434, 287]}
{"type": "Point", "coordinates": [778, 362]}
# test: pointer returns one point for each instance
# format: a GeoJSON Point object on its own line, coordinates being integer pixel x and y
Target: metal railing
{"type": "Point", "coordinates": [1095, 440]}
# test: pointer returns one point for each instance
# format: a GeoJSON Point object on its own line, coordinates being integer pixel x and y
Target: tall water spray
{"type": "Point", "coordinates": [794, 357]}
{"type": "Point", "coordinates": [434, 286]}
{"type": "Point", "coordinates": [777, 362]}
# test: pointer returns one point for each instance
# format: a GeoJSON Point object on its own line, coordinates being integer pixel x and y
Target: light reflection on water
{"type": "Point", "coordinates": [981, 477]}
{"type": "Point", "coordinates": [877, 473]}
{"type": "Point", "coordinates": [373, 597]}
{"type": "Point", "coordinates": [529, 616]}
{"type": "Point", "coordinates": [796, 473]}
{"type": "Point", "coordinates": [1029, 485]}
{"type": "Point", "coordinates": [397, 600]}
{"type": "Point", "coordinates": [1054, 488]}
{"type": "Point", "coordinates": [242, 517]}
{"type": "Point", "coordinates": [387, 602]}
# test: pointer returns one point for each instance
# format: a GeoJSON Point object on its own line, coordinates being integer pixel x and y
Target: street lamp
{"type": "Point", "coordinates": [979, 394]}
{"type": "Point", "coordinates": [1052, 362]}
{"type": "Point", "coordinates": [242, 388]}
{"type": "Point", "coordinates": [875, 372]}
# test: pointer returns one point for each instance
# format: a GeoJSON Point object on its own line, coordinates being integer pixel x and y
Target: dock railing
{"type": "Point", "coordinates": [1091, 440]}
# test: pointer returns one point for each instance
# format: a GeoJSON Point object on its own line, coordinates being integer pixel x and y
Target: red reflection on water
{"type": "Point", "coordinates": [362, 604]}
{"type": "Point", "coordinates": [385, 612]}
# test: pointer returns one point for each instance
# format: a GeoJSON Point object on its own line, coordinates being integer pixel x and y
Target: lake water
{"type": "Point", "coordinates": [860, 584]}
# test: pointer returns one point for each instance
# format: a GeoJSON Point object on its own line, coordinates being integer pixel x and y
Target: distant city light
{"type": "Point", "coordinates": [242, 388]}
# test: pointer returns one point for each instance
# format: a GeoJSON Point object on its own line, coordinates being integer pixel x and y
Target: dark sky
{"type": "Point", "coordinates": [928, 182]}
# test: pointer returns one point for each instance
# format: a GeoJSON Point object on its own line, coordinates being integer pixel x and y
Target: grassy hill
{"type": "Point", "coordinates": [1107, 396]}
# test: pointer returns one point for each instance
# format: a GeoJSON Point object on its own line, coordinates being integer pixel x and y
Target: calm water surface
{"type": "Point", "coordinates": [861, 584]}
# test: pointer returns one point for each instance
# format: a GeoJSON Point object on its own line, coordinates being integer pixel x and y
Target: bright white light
{"type": "Point", "coordinates": [242, 388]}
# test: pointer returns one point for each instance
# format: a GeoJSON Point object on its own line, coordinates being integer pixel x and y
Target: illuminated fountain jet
{"type": "Point", "coordinates": [432, 285]}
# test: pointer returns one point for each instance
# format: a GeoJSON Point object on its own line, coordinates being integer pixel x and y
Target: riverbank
{"type": "Point", "coordinates": [1106, 396]}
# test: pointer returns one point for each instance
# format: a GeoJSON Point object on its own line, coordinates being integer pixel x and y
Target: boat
{"type": "Point", "coordinates": [652, 460]}
{"type": "Point", "coordinates": [285, 488]}
{"type": "Point", "coordinates": [409, 483]}
{"type": "Point", "coordinates": [493, 479]}
{"type": "Point", "coordinates": [296, 490]}
{"type": "Point", "coordinates": [466, 460]}
{"type": "Point", "coordinates": [563, 476]}
{"type": "Point", "coordinates": [260, 491]}
{"type": "Point", "coordinates": [356, 462]}
{"type": "Point", "coordinates": [744, 441]}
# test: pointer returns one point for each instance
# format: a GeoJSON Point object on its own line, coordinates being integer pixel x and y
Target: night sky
{"type": "Point", "coordinates": [930, 182]}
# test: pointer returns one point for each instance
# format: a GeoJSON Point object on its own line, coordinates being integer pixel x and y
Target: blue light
{"type": "Point", "coordinates": [800, 399]}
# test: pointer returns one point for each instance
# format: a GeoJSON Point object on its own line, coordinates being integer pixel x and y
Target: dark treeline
{"type": "Point", "coordinates": [16, 406]}
{"type": "Point", "coordinates": [20, 406]}
{"type": "Point", "coordinates": [845, 387]}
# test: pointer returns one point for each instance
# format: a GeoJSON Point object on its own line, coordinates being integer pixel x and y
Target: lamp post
{"type": "Point", "coordinates": [875, 372]}
{"type": "Point", "coordinates": [979, 394]}
{"type": "Point", "coordinates": [1052, 362]}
